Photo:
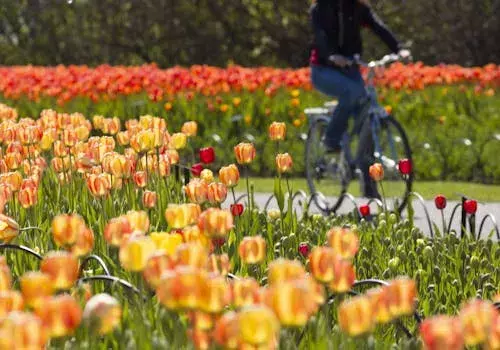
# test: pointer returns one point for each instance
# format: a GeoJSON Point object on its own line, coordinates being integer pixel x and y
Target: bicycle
{"type": "Point", "coordinates": [378, 137]}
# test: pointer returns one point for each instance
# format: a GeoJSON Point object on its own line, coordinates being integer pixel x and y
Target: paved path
{"type": "Point", "coordinates": [420, 217]}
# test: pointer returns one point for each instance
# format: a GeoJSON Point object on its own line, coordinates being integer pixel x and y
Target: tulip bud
{"type": "Point", "coordinates": [258, 325]}
{"type": "Point", "coordinates": [22, 330]}
{"type": "Point", "coordinates": [376, 172]}
{"type": "Point", "coordinates": [252, 250]}
{"type": "Point", "coordinates": [244, 152]}
{"type": "Point", "coordinates": [470, 206]}
{"type": "Point", "coordinates": [364, 210]}
{"type": "Point", "coordinates": [117, 230]}
{"type": "Point", "coordinates": [304, 249]}
{"type": "Point", "coordinates": [140, 179]}
{"type": "Point", "coordinates": [189, 128]}
{"type": "Point", "coordinates": [135, 252]}
{"type": "Point", "coordinates": [35, 287]}
{"type": "Point", "coordinates": [356, 316]}
{"type": "Point", "coordinates": [196, 191]}
{"type": "Point", "coordinates": [149, 199]}
{"type": "Point", "coordinates": [344, 242]}
{"type": "Point", "coordinates": [344, 276]}
{"type": "Point", "coordinates": [10, 300]}
{"type": "Point", "coordinates": [9, 228]}
{"type": "Point", "coordinates": [402, 294]}
{"type": "Point", "coordinates": [442, 332]}
{"type": "Point", "coordinates": [440, 202]}
{"type": "Point", "coordinates": [284, 163]}
{"type": "Point", "coordinates": [62, 267]}
{"type": "Point", "coordinates": [178, 141]}
{"type": "Point", "coordinates": [229, 175]}
{"type": "Point", "coordinates": [216, 192]}
{"type": "Point", "coordinates": [215, 222]}
{"type": "Point", "coordinates": [207, 155]}
{"type": "Point", "coordinates": [196, 169]}
{"type": "Point", "coordinates": [281, 270]}
{"type": "Point", "coordinates": [237, 209]}
{"type": "Point", "coordinates": [67, 229]}
{"type": "Point", "coordinates": [61, 315]}
{"type": "Point", "coordinates": [207, 175]}
{"type": "Point", "coordinates": [103, 312]}
{"type": "Point", "coordinates": [277, 131]}
{"type": "Point", "coordinates": [405, 166]}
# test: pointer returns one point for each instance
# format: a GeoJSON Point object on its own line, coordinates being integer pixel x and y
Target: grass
{"type": "Point", "coordinates": [428, 189]}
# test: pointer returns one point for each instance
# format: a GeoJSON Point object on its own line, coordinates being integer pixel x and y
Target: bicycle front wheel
{"type": "Point", "coordinates": [326, 174]}
{"type": "Point", "coordinates": [391, 145]}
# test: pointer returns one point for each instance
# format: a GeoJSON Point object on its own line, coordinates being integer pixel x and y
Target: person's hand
{"type": "Point", "coordinates": [339, 60]}
{"type": "Point", "coordinates": [404, 54]}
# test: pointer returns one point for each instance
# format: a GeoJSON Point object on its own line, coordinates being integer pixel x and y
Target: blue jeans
{"type": "Point", "coordinates": [349, 88]}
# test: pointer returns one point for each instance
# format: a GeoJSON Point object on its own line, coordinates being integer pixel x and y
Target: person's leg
{"type": "Point", "coordinates": [348, 89]}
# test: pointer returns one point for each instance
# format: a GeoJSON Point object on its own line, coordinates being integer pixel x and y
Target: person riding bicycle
{"type": "Point", "coordinates": [337, 40]}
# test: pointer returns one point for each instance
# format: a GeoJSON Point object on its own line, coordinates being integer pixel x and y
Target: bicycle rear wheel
{"type": "Point", "coordinates": [327, 174]}
{"type": "Point", "coordinates": [391, 145]}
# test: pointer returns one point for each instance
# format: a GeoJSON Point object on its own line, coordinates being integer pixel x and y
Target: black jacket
{"type": "Point", "coordinates": [337, 28]}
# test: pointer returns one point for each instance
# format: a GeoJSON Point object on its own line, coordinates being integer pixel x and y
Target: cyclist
{"type": "Point", "coordinates": [337, 40]}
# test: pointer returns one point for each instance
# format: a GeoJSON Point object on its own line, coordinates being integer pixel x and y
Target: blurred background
{"type": "Point", "coordinates": [216, 32]}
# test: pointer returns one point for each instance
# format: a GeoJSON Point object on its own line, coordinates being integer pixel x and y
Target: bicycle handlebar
{"type": "Point", "coordinates": [387, 59]}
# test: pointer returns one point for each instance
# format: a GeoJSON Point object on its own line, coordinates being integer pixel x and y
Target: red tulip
{"type": "Point", "coordinates": [364, 210]}
{"type": "Point", "coordinates": [237, 209]}
{"type": "Point", "coordinates": [207, 155]}
{"type": "Point", "coordinates": [405, 166]}
{"type": "Point", "coordinates": [470, 206]}
{"type": "Point", "coordinates": [196, 169]}
{"type": "Point", "coordinates": [304, 249]}
{"type": "Point", "coordinates": [440, 201]}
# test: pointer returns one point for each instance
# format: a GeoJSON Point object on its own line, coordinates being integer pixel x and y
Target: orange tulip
{"type": "Point", "coordinates": [10, 300]}
{"type": "Point", "coordinates": [143, 141]}
{"type": "Point", "coordinates": [216, 222]}
{"type": "Point", "coordinates": [14, 179]}
{"type": "Point", "coordinates": [140, 179]}
{"type": "Point", "coordinates": [252, 250]}
{"type": "Point", "coordinates": [135, 252]}
{"type": "Point", "coordinates": [149, 199]}
{"type": "Point", "coordinates": [181, 215]}
{"type": "Point", "coordinates": [322, 261]}
{"type": "Point", "coordinates": [156, 265]}
{"type": "Point", "coordinates": [402, 295]}
{"type": "Point", "coordinates": [13, 160]}
{"type": "Point", "coordinates": [180, 289]}
{"type": "Point", "coordinates": [376, 172]}
{"type": "Point", "coordinates": [66, 229]}
{"type": "Point", "coordinates": [120, 167]}
{"type": "Point", "coordinates": [258, 325]}
{"type": "Point", "coordinates": [226, 331]}
{"type": "Point", "coordinates": [277, 131]}
{"type": "Point", "coordinates": [193, 255]}
{"type": "Point", "coordinates": [477, 317]}
{"type": "Point", "coordinates": [62, 267]}
{"type": "Point", "coordinates": [117, 230]}
{"type": "Point", "coordinates": [61, 315]}
{"type": "Point", "coordinates": [99, 185]}
{"type": "Point", "coordinates": [291, 302]}
{"type": "Point", "coordinates": [9, 228]}
{"type": "Point", "coordinates": [493, 342]}
{"type": "Point", "coordinates": [284, 163]}
{"type": "Point", "coordinates": [282, 270]}
{"type": "Point", "coordinates": [22, 330]}
{"type": "Point", "coordinates": [103, 313]}
{"type": "Point", "coordinates": [196, 191]}
{"type": "Point", "coordinates": [380, 302]}
{"type": "Point", "coordinates": [245, 292]}
{"type": "Point", "coordinates": [218, 264]}
{"type": "Point", "coordinates": [442, 333]}
{"type": "Point", "coordinates": [201, 321]}
{"type": "Point", "coordinates": [5, 275]}
{"type": "Point", "coordinates": [343, 241]}
{"type": "Point", "coordinates": [123, 138]}
{"type": "Point", "coordinates": [84, 243]}
{"type": "Point", "coordinates": [244, 152]}
{"type": "Point", "coordinates": [35, 287]}
{"type": "Point", "coordinates": [200, 338]}
{"type": "Point", "coordinates": [216, 295]}
{"type": "Point", "coordinates": [216, 192]}
{"type": "Point", "coordinates": [189, 128]}
{"type": "Point", "coordinates": [344, 276]}
{"type": "Point", "coordinates": [229, 175]}
{"type": "Point", "coordinates": [356, 316]}
{"type": "Point", "coordinates": [28, 196]}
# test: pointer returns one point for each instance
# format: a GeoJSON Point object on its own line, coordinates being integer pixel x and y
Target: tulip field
{"type": "Point", "coordinates": [120, 226]}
